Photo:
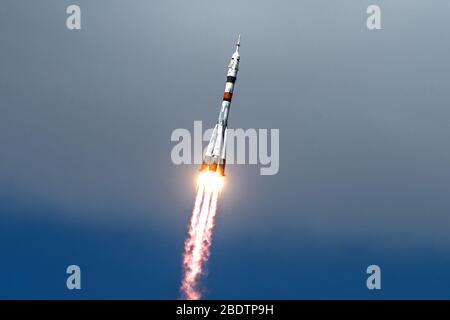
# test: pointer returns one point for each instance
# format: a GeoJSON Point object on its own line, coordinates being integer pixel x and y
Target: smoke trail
{"type": "Point", "coordinates": [198, 243]}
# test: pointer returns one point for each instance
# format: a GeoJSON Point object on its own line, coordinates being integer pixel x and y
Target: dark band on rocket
{"type": "Point", "coordinates": [231, 79]}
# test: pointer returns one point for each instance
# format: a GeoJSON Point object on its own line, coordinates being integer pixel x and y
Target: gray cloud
{"type": "Point", "coordinates": [86, 116]}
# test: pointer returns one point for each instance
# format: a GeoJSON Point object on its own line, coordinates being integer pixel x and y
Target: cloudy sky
{"type": "Point", "coordinates": [86, 175]}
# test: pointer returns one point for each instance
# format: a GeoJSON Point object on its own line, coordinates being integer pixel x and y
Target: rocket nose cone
{"type": "Point", "coordinates": [238, 43]}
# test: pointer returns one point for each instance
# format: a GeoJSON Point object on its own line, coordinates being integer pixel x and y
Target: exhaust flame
{"type": "Point", "coordinates": [197, 245]}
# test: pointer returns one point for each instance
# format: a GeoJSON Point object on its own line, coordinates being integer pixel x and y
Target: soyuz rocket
{"type": "Point", "coordinates": [214, 158]}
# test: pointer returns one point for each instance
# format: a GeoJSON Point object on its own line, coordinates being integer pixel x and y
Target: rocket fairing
{"type": "Point", "coordinates": [214, 159]}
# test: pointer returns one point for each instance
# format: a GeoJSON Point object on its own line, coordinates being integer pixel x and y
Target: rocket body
{"type": "Point", "coordinates": [214, 158]}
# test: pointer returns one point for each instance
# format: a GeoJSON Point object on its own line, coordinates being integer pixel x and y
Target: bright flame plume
{"type": "Point", "coordinates": [198, 243]}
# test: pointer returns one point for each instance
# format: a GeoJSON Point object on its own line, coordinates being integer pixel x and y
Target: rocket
{"type": "Point", "coordinates": [214, 158]}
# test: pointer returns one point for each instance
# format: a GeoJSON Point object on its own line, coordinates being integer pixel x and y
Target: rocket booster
{"type": "Point", "coordinates": [214, 158]}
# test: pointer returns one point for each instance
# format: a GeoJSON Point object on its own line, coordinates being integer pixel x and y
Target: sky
{"type": "Point", "coordinates": [86, 175]}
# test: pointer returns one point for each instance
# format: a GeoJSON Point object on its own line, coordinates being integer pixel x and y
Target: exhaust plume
{"type": "Point", "coordinates": [198, 243]}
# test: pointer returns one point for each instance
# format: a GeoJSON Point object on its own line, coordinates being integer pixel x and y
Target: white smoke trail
{"type": "Point", "coordinates": [197, 246]}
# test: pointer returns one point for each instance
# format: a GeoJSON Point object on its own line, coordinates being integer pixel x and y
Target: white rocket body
{"type": "Point", "coordinates": [214, 159]}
